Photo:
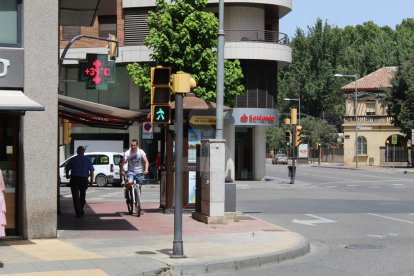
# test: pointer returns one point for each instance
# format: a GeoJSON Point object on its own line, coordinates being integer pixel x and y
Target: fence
{"type": "Point", "coordinates": [329, 155]}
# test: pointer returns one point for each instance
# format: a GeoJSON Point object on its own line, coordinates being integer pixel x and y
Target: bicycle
{"type": "Point", "coordinates": [133, 199]}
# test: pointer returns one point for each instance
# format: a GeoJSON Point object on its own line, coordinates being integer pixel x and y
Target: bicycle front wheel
{"type": "Point", "coordinates": [137, 205]}
{"type": "Point", "coordinates": [129, 201]}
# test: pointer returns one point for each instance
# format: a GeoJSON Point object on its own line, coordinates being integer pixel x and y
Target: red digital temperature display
{"type": "Point", "coordinates": [97, 71]}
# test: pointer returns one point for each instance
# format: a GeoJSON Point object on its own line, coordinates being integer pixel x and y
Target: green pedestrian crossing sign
{"type": "Point", "coordinates": [161, 113]}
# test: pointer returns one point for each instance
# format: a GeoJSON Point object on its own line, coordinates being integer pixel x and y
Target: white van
{"type": "Point", "coordinates": [106, 165]}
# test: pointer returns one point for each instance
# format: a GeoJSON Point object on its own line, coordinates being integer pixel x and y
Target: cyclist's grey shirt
{"type": "Point", "coordinates": [135, 160]}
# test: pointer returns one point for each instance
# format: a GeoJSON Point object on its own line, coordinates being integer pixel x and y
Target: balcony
{"type": "Point", "coordinates": [256, 36]}
{"type": "Point", "coordinates": [373, 119]}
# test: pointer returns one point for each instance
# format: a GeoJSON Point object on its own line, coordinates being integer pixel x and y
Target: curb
{"type": "Point", "coordinates": [237, 264]}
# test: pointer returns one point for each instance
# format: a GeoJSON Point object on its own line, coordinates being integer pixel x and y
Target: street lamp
{"type": "Point", "coordinates": [355, 113]}
{"type": "Point", "coordinates": [298, 100]}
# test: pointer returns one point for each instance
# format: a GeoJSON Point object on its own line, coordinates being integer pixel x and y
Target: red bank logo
{"type": "Point", "coordinates": [266, 119]}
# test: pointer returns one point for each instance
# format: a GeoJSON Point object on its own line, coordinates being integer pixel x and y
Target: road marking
{"type": "Point", "coordinates": [352, 185]}
{"type": "Point", "coordinates": [401, 220]}
{"type": "Point", "coordinates": [312, 222]}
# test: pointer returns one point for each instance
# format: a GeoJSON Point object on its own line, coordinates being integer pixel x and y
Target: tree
{"type": "Point", "coordinates": [400, 98]}
{"type": "Point", "coordinates": [275, 139]}
{"type": "Point", "coordinates": [183, 36]}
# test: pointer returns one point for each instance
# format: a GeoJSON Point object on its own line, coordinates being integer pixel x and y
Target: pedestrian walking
{"type": "Point", "coordinates": [2, 207]}
{"type": "Point", "coordinates": [80, 167]}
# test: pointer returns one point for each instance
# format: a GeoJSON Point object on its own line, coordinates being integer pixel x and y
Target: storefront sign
{"type": "Point", "coordinates": [203, 120]}
{"type": "Point", "coordinates": [252, 117]}
{"type": "Point", "coordinates": [11, 68]}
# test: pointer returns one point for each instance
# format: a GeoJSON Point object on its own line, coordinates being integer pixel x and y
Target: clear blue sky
{"type": "Point", "coordinates": [345, 12]}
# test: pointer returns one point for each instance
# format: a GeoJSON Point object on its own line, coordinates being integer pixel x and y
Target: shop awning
{"type": "Point", "coordinates": [16, 100]}
{"type": "Point", "coordinates": [97, 115]}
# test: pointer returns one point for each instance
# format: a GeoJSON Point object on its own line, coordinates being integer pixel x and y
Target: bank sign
{"type": "Point", "coordinates": [252, 117]}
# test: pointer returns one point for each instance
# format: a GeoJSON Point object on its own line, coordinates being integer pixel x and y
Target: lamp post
{"type": "Point", "coordinates": [298, 100]}
{"type": "Point", "coordinates": [355, 112]}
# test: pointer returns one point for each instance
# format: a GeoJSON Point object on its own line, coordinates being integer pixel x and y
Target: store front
{"type": "Point", "coordinates": [9, 134]}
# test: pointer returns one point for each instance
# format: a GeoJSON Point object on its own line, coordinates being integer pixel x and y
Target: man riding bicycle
{"type": "Point", "coordinates": [137, 164]}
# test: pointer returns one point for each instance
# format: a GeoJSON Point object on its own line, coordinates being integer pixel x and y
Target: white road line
{"type": "Point", "coordinates": [391, 218]}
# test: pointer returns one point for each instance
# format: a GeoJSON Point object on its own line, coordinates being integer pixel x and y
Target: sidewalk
{"type": "Point", "coordinates": [401, 169]}
{"type": "Point", "coordinates": [108, 241]}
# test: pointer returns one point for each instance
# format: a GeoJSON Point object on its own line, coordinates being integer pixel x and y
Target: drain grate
{"type": "Point", "coordinates": [364, 246]}
{"type": "Point", "coordinates": [145, 253]}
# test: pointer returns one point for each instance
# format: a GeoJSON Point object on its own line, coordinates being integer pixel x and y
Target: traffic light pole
{"type": "Point", "coordinates": [178, 251]}
{"type": "Point", "coordinates": [293, 172]}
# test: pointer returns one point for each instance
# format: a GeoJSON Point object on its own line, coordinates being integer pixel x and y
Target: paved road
{"type": "Point", "coordinates": [359, 222]}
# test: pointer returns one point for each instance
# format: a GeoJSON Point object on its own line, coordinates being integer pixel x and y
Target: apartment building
{"type": "Point", "coordinates": [252, 35]}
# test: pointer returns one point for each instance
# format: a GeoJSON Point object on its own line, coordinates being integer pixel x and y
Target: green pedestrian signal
{"type": "Point", "coordinates": [162, 114]}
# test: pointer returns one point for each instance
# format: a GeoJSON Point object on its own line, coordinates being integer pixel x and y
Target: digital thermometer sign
{"type": "Point", "coordinates": [97, 71]}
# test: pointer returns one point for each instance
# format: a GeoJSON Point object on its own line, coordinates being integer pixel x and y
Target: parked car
{"type": "Point", "coordinates": [280, 158]}
{"type": "Point", "coordinates": [106, 165]}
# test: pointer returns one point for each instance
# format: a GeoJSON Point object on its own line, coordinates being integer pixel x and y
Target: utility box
{"type": "Point", "coordinates": [212, 184]}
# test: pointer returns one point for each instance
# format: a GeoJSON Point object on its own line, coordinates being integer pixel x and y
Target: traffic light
{"type": "Point", "coordinates": [112, 47]}
{"type": "Point", "coordinates": [293, 116]}
{"type": "Point", "coordinates": [67, 125]}
{"type": "Point", "coordinates": [160, 95]}
{"type": "Point", "coordinates": [297, 135]}
{"type": "Point", "coordinates": [288, 136]}
{"type": "Point", "coordinates": [182, 82]}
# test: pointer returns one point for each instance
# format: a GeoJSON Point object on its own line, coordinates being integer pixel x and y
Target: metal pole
{"type": "Point", "coordinates": [356, 123]}
{"type": "Point", "coordinates": [220, 73]}
{"type": "Point", "coordinates": [299, 109]}
{"type": "Point", "coordinates": [292, 175]}
{"type": "Point", "coordinates": [178, 251]}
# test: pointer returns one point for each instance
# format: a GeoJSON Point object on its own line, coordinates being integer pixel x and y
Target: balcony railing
{"type": "Point", "coordinates": [368, 119]}
{"type": "Point", "coordinates": [256, 36]}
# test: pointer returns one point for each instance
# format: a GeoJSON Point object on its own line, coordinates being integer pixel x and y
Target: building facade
{"type": "Point", "coordinates": [378, 139]}
{"type": "Point", "coordinates": [252, 36]}
{"type": "Point", "coordinates": [28, 115]}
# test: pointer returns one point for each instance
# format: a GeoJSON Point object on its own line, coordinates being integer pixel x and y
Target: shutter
{"type": "Point", "coordinates": [136, 28]}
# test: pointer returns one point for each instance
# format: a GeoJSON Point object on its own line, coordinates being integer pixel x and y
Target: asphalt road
{"type": "Point", "coordinates": [359, 222]}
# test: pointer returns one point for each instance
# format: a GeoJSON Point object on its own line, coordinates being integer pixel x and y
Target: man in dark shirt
{"type": "Point", "coordinates": [80, 168]}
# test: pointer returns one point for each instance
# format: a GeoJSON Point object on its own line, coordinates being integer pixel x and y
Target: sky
{"type": "Point", "coordinates": [342, 13]}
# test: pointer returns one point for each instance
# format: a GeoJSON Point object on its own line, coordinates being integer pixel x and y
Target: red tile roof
{"type": "Point", "coordinates": [376, 81]}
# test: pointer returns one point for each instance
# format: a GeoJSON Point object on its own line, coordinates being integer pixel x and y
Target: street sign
{"type": "Point", "coordinates": [394, 139]}
{"type": "Point", "coordinates": [147, 131]}
{"type": "Point", "coordinates": [203, 120]}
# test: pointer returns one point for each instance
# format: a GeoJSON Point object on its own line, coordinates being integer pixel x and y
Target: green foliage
{"type": "Point", "coordinates": [326, 50]}
{"type": "Point", "coordinates": [275, 139]}
{"type": "Point", "coordinates": [183, 36]}
{"type": "Point", "coordinates": [400, 98]}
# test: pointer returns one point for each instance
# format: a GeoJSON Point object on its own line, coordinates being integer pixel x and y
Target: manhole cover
{"type": "Point", "coordinates": [364, 246]}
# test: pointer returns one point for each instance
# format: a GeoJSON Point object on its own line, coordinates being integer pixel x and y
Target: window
{"type": "Point", "coordinates": [10, 23]}
{"type": "Point", "coordinates": [362, 145]}
{"type": "Point", "coordinates": [370, 108]}
{"type": "Point", "coordinates": [107, 25]}
{"type": "Point", "coordinates": [70, 32]}
{"type": "Point", "coordinates": [102, 160]}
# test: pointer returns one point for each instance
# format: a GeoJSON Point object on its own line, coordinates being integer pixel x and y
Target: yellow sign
{"type": "Point", "coordinates": [203, 120]}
